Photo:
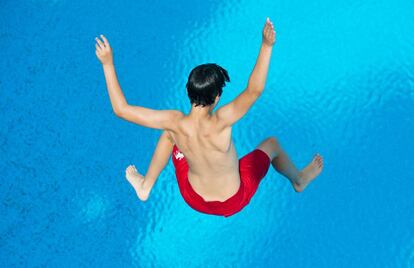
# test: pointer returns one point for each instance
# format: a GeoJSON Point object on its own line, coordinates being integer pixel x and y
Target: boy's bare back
{"type": "Point", "coordinates": [209, 150]}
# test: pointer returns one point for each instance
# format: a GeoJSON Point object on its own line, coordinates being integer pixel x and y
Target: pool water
{"type": "Point", "coordinates": [341, 83]}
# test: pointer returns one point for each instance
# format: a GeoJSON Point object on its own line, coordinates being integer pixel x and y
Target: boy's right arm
{"type": "Point", "coordinates": [233, 111]}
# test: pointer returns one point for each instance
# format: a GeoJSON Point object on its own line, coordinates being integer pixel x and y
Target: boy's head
{"type": "Point", "coordinates": [205, 83]}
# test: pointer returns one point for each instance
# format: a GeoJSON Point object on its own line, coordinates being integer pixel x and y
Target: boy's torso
{"type": "Point", "coordinates": [210, 154]}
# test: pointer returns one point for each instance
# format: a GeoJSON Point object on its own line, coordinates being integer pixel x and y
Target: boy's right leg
{"type": "Point", "coordinates": [281, 163]}
{"type": "Point", "coordinates": [143, 184]}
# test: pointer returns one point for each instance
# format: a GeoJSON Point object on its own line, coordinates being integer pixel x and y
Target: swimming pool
{"type": "Point", "coordinates": [341, 82]}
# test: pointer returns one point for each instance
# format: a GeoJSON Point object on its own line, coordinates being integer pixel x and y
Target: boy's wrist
{"type": "Point", "coordinates": [266, 45]}
{"type": "Point", "coordinates": [108, 64]}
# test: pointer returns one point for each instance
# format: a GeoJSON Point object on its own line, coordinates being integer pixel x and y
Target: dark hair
{"type": "Point", "coordinates": [205, 82]}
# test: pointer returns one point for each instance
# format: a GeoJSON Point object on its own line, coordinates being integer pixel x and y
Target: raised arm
{"type": "Point", "coordinates": [233, 111]}
{"type": "Point", "coordinates": [164, 119]}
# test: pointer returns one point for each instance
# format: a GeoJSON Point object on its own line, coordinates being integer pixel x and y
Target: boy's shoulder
{"type": "Point", "coordinates": [178, 114]}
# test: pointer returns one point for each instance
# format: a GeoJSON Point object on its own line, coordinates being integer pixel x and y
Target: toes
{"type": "Point", "coordinates": [128, 169]}
{"type": "Point", "coordinates": [320, 163]}
{"type": "Point", "coordinates": [317, 160]}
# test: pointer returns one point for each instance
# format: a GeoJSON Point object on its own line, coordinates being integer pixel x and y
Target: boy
{"type": "Point", "coordinates": [210, 177]}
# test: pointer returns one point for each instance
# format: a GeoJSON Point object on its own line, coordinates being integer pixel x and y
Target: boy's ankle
{"type": "Point", "coordinates": [146, 185]}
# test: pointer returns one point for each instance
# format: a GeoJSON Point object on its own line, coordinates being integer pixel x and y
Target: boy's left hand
{"type": "Point", "coordinates": [103, 51]}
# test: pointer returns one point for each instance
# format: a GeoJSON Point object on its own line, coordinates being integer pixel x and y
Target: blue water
{"type": "Point", "coordinates": [341, 82]}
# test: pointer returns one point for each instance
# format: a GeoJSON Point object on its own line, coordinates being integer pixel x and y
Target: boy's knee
{"type": "Point", "coordinates": [273, 141]}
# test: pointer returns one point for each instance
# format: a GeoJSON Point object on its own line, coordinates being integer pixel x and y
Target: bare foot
{"type": "Point", "coordinates": [137, 181]}
{"type": "Point", "coordinates": [309, 173]}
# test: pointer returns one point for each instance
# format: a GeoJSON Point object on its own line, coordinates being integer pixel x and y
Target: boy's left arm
{"type": "Point", "coordinates": [164, 119]}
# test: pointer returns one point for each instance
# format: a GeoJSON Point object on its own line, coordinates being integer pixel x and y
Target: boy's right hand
{"type": "Point", "coordinates": [269, 34]}
{"type": "Point", "coordinates": [103, 51]}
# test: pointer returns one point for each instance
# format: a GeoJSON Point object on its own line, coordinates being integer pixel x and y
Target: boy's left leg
{"type": "Point", "coordinates": [160, 158]}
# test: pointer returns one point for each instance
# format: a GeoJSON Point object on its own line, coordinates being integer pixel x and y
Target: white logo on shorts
{"type": "Point", "coordinates": [179, 155]}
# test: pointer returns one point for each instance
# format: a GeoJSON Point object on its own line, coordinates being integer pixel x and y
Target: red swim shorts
{"type": "Point", "coordinates": [252, 167]}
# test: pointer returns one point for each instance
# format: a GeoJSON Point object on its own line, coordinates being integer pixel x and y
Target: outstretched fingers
{"type": "Point", "coordinates": [99, 43]}
{"type": "Point", "coordinates": [267, 25]}
{"type": "Point", "coordinates": [269, 33]}
{"type": "Point", "coordinates": [101, 46]}
{"type": "Point", "coordinates": [105, 40]}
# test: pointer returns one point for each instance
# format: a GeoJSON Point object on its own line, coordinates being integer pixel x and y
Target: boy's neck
{"type": "Point", "coordinates": [201, 112]}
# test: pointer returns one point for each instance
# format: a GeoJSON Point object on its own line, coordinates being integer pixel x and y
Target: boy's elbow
{"type": "Point", "coordinates": [255, 90]}
{"type": "Point", "coordinates": [119, 112]}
